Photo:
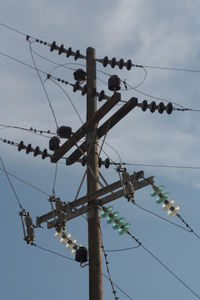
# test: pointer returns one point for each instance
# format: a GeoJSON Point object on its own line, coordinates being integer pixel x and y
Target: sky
{"type": "Point", "coordinates": [150, 33]}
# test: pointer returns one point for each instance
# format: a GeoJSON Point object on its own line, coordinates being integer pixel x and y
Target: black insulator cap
{"type": "Point", "coordinates": [76, 87]}
{"type": "Point", "coordinates": [29, 149]}
{"type": "Point", "coordinates": [36, 151]}
{"type": "Point", "coordinates": [54, 143]}
{"type": "Point", "coordinates": [107, 163]}
{"type": "Point", "coordinates": [21, 146]}
{"type": "Point", "coordinates": [113, 62]}
{"type": "Point", "coordinates": [114, 83]}
{"type": "Point", "coordinates": [121, 63]}
{"type": "Point", "coordinates": [105, 61]}
{"type": "Point", "coordinates": [61, 49]}
{"type": "Point", "coordinates": [161, 107]}
{"type": "Point", "coordinates": [69, 52]}
{"type": "Point", "coordinates": [144, 105]}
{"type": "Point", "coordinates": [79, 75]}
{"type": "Point", "coordinates": [84, 161]}
{"type": "Point", "coordinates": [84, 90]}
{"type": "Point", "coordinates": [44, 154]}
{"type": "Point", "coordinates": [77, 55]}
{"type": "Point", "coordinates": [100, 162]}
{"type": "Point", "coordinates": [53, 46]}
{"type": "Point", "coordinates": [101, 96]}
{"type": "Point", "coordinates": [81, 255]}
{"type": "Point", "coordinates": [169, 108]}
{"type": "Point", "coordinates": [129, 64]}
{"type": "Point", "coordinates": [64, 132]}
{"type": "Point", "coordinates": [152, 106]}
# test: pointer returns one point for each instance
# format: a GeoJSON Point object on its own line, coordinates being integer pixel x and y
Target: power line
{"type": "Point", "coordinates": [33, 68]}
{"type": "Point", "coordinates": [31, 130]}
{"type": "Point", "coordinates": [45, 91]}
{"type": "Point", "coordinates": [160, 166]}
{"type": "Point", "coordinates": [165, 266]}
{"type": "Point", "coordinates": [25, 182]}
{"type": "Point", "coordinates": [12, 187]}
{"type": "Point", "coordinates": [173, 69]}
{"type": "Point", "coordinates": [122, 250]}
{"type": "Point", "coordinates": [53, 252]}
{"type": "Point", "coordinates": [66, 94]}
{"type": "Point", "coordinates": [160, 217]}
{"type": "Point", "coordinates": [107, 268]}
{"type": "Point", "coordinates": [69, 258]}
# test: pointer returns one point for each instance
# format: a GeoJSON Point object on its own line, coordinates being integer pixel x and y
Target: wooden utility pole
{"type": "Point", "coordinates": [94, 221]}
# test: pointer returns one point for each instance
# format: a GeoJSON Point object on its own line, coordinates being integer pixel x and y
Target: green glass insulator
{"type": "Point", "coordinates": [160, 190]}
{"type": "Point", "coordinates": [105, 211]}
{"type": "Point", "coordinates": [110, 219]}
{"type": "Point", "coordinates": [103, 214]}
{"type": "Point", "coordinates": [121, 231]}
{"type": "Point", "coordinates": [121, 221]}
{"type": "Point", "coordinates": [115, 215]}
{"type": "Point", "coordinates": [115, 226]}
{"type": "Point", "coordinates": [109, 209]}
{"type": "Point", "coordinates": [127, 226]}
{"type": "Point", "coordinates": [162, 199]}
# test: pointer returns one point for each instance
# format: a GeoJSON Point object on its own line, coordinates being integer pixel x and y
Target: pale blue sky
{"type": "Point", "coordinates": [152, 33]}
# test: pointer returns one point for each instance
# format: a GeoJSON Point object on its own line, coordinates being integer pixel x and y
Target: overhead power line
{"type": "Point", "coordinates": [165, 266]}
{"type": "Point", "coordinates": [11, 185]}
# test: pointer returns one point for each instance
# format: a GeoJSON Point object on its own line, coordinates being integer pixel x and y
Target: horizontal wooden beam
{"type": "Point", "coordinates": [103, 129]}
{"type": "Point", "coordinates": [71, 211]}
{"type": "Point", "coordinates": [81, 132]}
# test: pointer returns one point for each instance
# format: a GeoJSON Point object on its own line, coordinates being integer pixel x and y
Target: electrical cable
{"type": "Point", "coordinates": [25, 182]}
{"type": "Point", "coordinates": [104, 138]}
{"type": "Point", "coordinates": [80, 186]}
{"type": "Point", "coordinates": [53, 252]}
{"type": "Point", "coordinates": [160, 217]}
{"type": "Point", "coordinates": [66, 94]}
{"type": "Point", "coordinates": [31, 130]}
{"type": "Point", "coordinates": [165, 266]}
{"type": "Point", "coordinates": [151, 96]}
{"type": "Point", "coordinates": [54, 180]}
{"type": "Point", "coordinates": [107, 267]}
{"type": "Point", "coordinates": [188, 226]}
{"type": "Point", "coordinates": [123, 249]}
{"type": "Point", "coordinates": [13, 29]}
{"type": "Point", "coordinates": [160, 166]}
{"type": "Point", "coordinates": [45, 91]}
{"type": "Point", "coordinates": [138, 85]}
{"type": "Point", "coordinates": [10, 183]}
{"type": "Point", "coordinates": [33, 68]}
{"type": "Point", "coordinates": [53, 62]}
{"type": "Point", "coordinates": [69, 258]}
{"type": "Point", "coordinates": [173, 69]}
{"type": "Point", "coordinates": [118, 288]}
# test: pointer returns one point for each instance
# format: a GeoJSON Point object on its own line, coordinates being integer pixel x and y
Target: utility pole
{"type": "Point", "coordinates": [87, 151]}
{"type": "Point", "coordinates": [94, 221]}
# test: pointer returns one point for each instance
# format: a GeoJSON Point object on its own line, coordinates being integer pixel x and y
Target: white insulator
{"type": "Point", "coordinates": [73, 251]}
{"type": "Point", "coordinates": [57, 234]}
{"type": "Point", "coordinates": [63, 240]}
{"type": "Point", "coordinates": [167, 206]}
{"type": "Point", "coordinates": [173, 212]}
{"type": "Point", "coordinates": [69, 235]}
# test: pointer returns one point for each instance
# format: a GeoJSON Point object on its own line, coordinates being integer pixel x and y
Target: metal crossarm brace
{"type": "Point", "coordinates": [69, 207]}
{"type": "Point", "coordinates": [104, 128]}
{"type": "Point", "coordinates": [80, 133]}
